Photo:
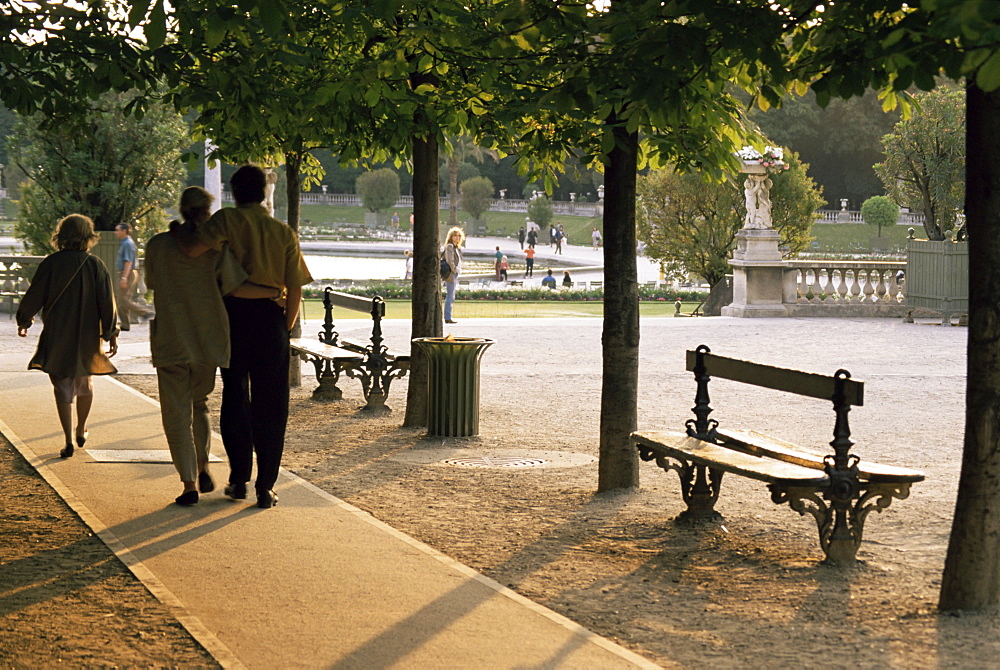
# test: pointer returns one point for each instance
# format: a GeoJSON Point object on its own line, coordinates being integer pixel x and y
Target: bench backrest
{"type": "Point", "coordinates": [356, 303]}
{"type": "Point", "coordinates": [781, 379]}
{"type": "Point", "coordinates": [840, 389]}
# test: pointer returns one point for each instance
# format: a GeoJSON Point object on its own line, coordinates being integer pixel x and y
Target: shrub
{"type": "Point", "coordinates": [379, 189]}
{"type": "Point", "coordinates": [540, 211]}
{"type": "Point", "coordinates": [476, 195]}
{"type": "Point", "coordinates": [879, 211]}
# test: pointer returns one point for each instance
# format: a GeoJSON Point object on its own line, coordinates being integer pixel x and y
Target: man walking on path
{"type": "Point", "coordinates": [520, 237]}
{"type": "Point", "coordinates": [255, 385]}
{"type": "Point", "coordinates": [127, 278]}
{"type": "Point", "coordinates": [497, 260]}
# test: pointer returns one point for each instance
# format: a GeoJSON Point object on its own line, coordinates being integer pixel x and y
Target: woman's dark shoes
{"type": "Point", "coordinates": [205, 482]}
{"type": "Point", "coordinates": [450, 321]}
{"type": "Point", "coordinates": [187, 498]}
{"type": "Point", "coordinates": [82, 439]}
{"type": "Point", "coordinates": [67, 451]}
{"type": "Point", "coordinates": [237, 491]}
{"type": "Point", "coordinates": [266, 499]}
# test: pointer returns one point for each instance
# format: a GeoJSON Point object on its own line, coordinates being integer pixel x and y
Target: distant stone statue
{"type": "Point", "coordinates": [272, 179]}
{"type": "Point", "coordinates": [757, 189]}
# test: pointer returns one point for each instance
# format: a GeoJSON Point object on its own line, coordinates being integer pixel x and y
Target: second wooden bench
{"type": "Point", "coordinates": [370, 362]}
{"type": "Point", "coordinates": [839, 490]}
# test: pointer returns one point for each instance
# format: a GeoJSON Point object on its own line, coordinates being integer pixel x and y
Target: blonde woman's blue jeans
{"type": "Point", "coordinates": [449, 298]}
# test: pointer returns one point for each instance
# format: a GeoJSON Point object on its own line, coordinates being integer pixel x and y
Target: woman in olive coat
{"type": "Point", "coordinates": [73, 291]}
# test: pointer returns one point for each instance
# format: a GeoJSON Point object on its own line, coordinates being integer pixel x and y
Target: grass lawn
{"type": "Point", "coordinates": [503, 309]}
{"type": "Point", "coordinates": [854, 237]}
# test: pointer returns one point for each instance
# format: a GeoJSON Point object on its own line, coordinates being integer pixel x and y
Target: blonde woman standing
{"type": "Point", "coordinates": [73, 291]}
{"type": "Point", "coordinates": [452, 255]}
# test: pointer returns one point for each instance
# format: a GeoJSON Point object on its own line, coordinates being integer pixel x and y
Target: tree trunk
{"type": "Point", "coordinates": [931, 226]}
{"type": "Point", "coordinates": [453, 190]}
{"type": "Point", "coordinates": [426, 300]}
{"type": "Point", "coordinates": [971, 579]}
{"type": "Point", "coordinates": [618, 467]}
{"type": "Point", "coordinates": [293, 186]}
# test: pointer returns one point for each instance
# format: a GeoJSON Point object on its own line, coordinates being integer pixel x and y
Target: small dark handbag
{"type": "Point", "coordinates": [445, 269]}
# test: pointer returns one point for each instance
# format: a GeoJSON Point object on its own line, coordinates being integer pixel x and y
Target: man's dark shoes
{"type": "Point", "coordinates": [237, 491]}
{"type": "Point", "coordinates": [266, 499]}
{"type": "Point", "coordinates": [187, 498]}
{"type": "Point", "coordinates": [205, 482]}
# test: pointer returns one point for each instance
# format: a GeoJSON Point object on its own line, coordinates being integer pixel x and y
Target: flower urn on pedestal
{"type": "Point", "coordinates": [760, 284]}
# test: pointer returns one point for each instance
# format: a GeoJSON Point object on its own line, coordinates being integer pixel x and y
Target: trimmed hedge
{"type": "Point", "coordinates": [394, 290]}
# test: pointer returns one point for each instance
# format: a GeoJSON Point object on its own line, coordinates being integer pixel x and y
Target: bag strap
{"type": "Point", "coordinates": [69, 282]}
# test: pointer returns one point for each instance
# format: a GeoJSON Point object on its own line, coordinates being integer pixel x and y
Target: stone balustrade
{"type": "Point", "coordinates": [844, 288]}
{"type": "Point", "coordinates": [15, 277]}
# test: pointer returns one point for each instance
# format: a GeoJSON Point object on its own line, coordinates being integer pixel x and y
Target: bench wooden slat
{"type": "Point", "coordinates": [329, 352]}
{"type": "Point", "coordinates": [353, 302]}
{"type": "Point", "coordinates": [807, 384]}
{"type": "Point", "coordinates": [680, 446]}
{"type": "Point", "coordinates": [765, 445]}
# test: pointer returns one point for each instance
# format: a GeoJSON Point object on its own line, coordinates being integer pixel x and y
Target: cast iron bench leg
{"type": "Point", "coordinates": [700, 485]}
{"type": "Point", "coordinates": [841, 522]}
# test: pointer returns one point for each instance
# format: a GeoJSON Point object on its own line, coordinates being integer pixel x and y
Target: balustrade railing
{"type": "Point", "coordinates": [15, 277]}
{"type": "Point", "coordinates": [842, 282]}
{"type": "Point", "coordinates": [559, 207]}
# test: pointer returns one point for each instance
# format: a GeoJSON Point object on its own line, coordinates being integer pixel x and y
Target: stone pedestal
{"type": "Point", "coordinates": [759, 275]}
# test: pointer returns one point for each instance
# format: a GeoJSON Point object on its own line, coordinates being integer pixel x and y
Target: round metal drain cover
{"type": "Point", "coordinates": [494, 462]}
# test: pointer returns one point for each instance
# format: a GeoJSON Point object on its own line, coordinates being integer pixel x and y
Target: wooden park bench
{"type": "Point", "coordinates": [370, 362]}
{"type": "Point", "coordinates": [839, 490]}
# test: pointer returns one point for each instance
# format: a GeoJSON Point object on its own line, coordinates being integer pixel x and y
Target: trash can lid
{"type": "Point", "coordinates": [451, 339]}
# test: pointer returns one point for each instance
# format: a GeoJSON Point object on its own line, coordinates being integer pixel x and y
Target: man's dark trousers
{"type": "Point", "coordinates": [255, 391]}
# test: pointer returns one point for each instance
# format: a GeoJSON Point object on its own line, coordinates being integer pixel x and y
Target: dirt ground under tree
{"type": "Point", "coordinates": [750, 592]}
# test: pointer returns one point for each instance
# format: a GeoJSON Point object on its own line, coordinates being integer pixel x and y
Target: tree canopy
{"type": "Point", "coordinates": [924, 167]}
{"type": "Point", "coordinates": [110, 166]}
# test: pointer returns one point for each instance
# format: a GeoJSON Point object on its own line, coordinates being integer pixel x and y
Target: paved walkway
{"type": "Point", "coordinates": [313, 582]}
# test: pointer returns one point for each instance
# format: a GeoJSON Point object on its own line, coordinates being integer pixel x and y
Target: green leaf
{"type": "Point", "coordinates": [988, 75]}
{"type": "Point", "coordinates": [156, 29]}
{"type": "Point", "coordinates": [137, 13]}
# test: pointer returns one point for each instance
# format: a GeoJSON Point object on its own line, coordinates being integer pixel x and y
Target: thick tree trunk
{"type": "Point", "coordinates": [453, 190]}
{"type": "Point", "coordinates": [426, 301]}
{"type": "Point", "coordinates": [293, 187]}
{"type": "Point", "coordinates": [971, 578]}
{"type": "Point", "coordinates": [618, 467]}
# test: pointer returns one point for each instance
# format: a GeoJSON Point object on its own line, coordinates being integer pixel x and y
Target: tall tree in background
{"type": "Point", "coordinates": [105, 164]}
{"type": "Point", "coordinates": [461, 149]}
{"type": "Point", "coordinates": [841, 142]}
{"type": "Point", "coordinates": [689, 224]}
{"type": "Point", "coordinates": [924, 167]}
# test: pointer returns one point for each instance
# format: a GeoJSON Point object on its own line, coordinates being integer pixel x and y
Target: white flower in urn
{"type": "Point", "coordinates": [771, 157]}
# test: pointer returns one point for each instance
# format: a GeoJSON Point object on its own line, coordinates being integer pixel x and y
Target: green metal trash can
{"type": "Point", "coordinates": [453, 384]}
